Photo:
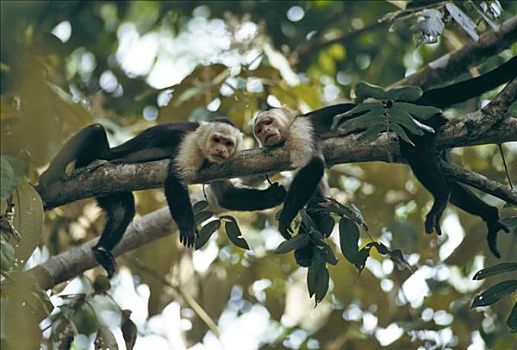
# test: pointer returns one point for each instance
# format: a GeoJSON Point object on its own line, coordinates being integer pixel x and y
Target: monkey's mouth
{"type": "Point", "coordinates": [218, 158]}
{"type": "Point", "coordinates": [271, 139]}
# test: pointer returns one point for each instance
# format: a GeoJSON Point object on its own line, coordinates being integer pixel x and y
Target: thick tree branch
{"type": "Point", "coordinates": [74, 261]}
{"type": "Point", "coordinates": [104, 178]}
{"type": "Point", "coordinates": [453, 64]}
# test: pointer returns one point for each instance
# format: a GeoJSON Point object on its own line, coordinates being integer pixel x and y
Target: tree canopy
{"type": "Point", "coordinates": [130, 65]}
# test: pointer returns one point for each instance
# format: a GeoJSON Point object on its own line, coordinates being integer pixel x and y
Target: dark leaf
{"type": "Point", "coordinates": [199, 206]}
{"type": "Point", "coordinates": [105, 340]}
{"type": "Point", "coordinates": [494, 293]}
{"type": "Point", "coordinates": [101, 284]}
{"type": "Point", "coordinates": [202, 216]}
{"type": "Point", "coordinates": [233, 232]}
{"type": "Point", "coordinates": [362, 122]}
{"type": "Point", "coordinates": [495, 270]}
{"type": "Point", "coordinates": [206, 232]}
{"type": "Point", "coordinates": [430, 27]}
{"type": "Point", "coordinates": [364, 90]}
{"type": "Point", "coordinates": [361, 257]}
{"type": "Point", "coordinates": [401, 133]}
{"type": "Point", "coordinates": [317, 277]}
{"type": "Point", "coordinates": [405, 119]}
{"type": "Point", "coordinates": [404, 93]}
{"type": "Point", "coordinates": [298, 241]}
{"type": "Point", "coordinates": [129, 330]}
{"type": "Point", "coordinates": [349, 211]}
{"type": "Point", "coordinates": [512, 319]}
{"type": "Point", "coordinates": [463, 20]}
{"type": "Point", "coordinates": [328, 255]}
{"type": "Point", "coordinates": [395, 255]}
{"type": "Point", "coordinates": [372, 133]}
{"type": "Point", "coordinates": [422, 112]}
{"type": "Point", "coordinates": [349, 239]}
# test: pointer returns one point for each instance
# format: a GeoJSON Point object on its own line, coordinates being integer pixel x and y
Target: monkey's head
{"type": "Point", "coordinates": [219, 141]}
{"type": "Point", "coordinates": [272, 126]}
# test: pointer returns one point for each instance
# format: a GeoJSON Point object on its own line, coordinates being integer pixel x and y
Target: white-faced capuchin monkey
{"type": "Point", "coordinates": [190, 146]}
{"type": "Point", "coordinates": [303, 134]}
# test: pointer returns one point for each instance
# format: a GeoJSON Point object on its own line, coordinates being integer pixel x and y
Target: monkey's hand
{"type": "Point", "coordinates": [276, 194]}
{"type": "Point", "coordinates": [188, 235]}
{"type": "Point", "coordinates": [105, 259]}
{"type": "Point", "coordinates": [493, 228]}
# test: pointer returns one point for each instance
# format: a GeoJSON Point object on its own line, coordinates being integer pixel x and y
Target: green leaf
{"type": "Point", "coordinates": [7, 259]}
{"type": "Point", "coordinates": [422, 112]}
{"type": "Point", "coordinates": [364, 90]}
{"type": "Point", "coordinates": [494, 293]}
{"type": "Point", "coordinates": [495, 270]}
{"type": "Point", "coordinates": [233, 232]}
{"type": "Point", "coordinates": [129, 330]}
{"type": "Point", "coordinates": [105, 340]}
{"type": "Point", "coordinates": [405, 119]}
{"type": "Point", "coordinates": [358, 109]}
{"type": "Point", "coordinates": [348, 239]}
{"type": "Point", "coordinates": [317, 277]}
{"type": "Point", "coordinates": [404, 93]}
{"type": "Point", "coordinates": [9, 178]}
{"type": "Point", "coordinates": [512, 319]}
{"type": "Point", "coordinates": [401, 133]}
{"type": "Point", "coordinates": [28, 219]}
{"type": "Point", "coordinates": [200, 206]}
{"type": "Point", "coordinates": [372, 133]}
{"type": "Point", "coordinates": [365, 121]}
{"type": "Point", "coordinates": [206, 232]}
{"type": "Point", "coordinates": [202, 216]}
{"type": "Point", "coordinates": [298, 241]}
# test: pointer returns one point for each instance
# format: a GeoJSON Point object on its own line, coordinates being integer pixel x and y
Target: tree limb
{"type": "Point", "coordinates": [105, 178]}
{"type": "Point", "coordinates": [480, 182]}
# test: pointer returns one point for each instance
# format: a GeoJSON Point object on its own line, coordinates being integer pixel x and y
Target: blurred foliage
{"type": "Point", "coordinates": [129, 65]}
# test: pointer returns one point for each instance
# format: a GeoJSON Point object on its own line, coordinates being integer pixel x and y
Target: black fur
{"type": "Point", "coordinates": [157, 142]}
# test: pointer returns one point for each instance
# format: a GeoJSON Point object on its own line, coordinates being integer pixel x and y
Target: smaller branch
{"type": "Point", "coordinates": [480, 182]}
{"type": "Point", "coordinates": [177, 292]}
{"type": "Point", "coordinates": [453, 64]}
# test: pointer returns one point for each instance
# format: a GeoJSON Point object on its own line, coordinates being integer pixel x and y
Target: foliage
{"type": "Point", "coordinates": [130, 65]}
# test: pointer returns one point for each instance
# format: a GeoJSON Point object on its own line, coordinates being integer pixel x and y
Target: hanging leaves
{"type": "Point", "coordinates": [129, 330]}
{"type": "Point", "coordinates": [299, 241]}
{"type": "Point", "coordinates": [494, 293]}
{"type": "Point", "coordinates": [348, 239]}
{"type": "Point", "coordinates": [318, 277]}
{"type": "Point", "coordinates": [206, 232]}
{"type": "Point", "coordinates": [233, 232]}
{"type": "Point", "coordinates": [495, 270]}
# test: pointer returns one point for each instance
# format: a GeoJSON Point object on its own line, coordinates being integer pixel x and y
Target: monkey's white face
{"type": "Point", "coordinates": [271, 126]}
{"type": "Point", "coordinates": [222, 141]}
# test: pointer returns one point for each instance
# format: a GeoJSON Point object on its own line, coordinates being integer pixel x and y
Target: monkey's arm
{"type": "Point", "coordinates": [176, 192]}
{"type": "Point", "coordinates": [301, 191]}
{"type": "Point", "coordinates": [231, 197]}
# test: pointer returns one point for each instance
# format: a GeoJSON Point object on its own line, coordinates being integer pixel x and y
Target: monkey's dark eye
{"type": "Point", "coordinates": [229, 143]}
{"type": "Point", "coordinates": [216, 139]}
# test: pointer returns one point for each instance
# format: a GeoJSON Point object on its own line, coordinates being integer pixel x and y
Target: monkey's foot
{"type": "Point", "coordinates": [432, 224]}
{"type": "Point", "coordinates": [105, 259]}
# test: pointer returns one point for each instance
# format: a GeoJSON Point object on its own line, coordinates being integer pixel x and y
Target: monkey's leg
{"type": "Point", "coordinates": [302, 189]}
{"type": "Point", "coordinates": [176, 193]}
{"type": "Point", "coordinates": [247, 199]}
{"type": "Point", "coordinates": [425, 166]}
{"type": "Point", "coordinates": [464, 199]}
{"type": "Point", "coordinates": [87, 145]}
{"type": "Point", "coordinates": [120, 210]}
